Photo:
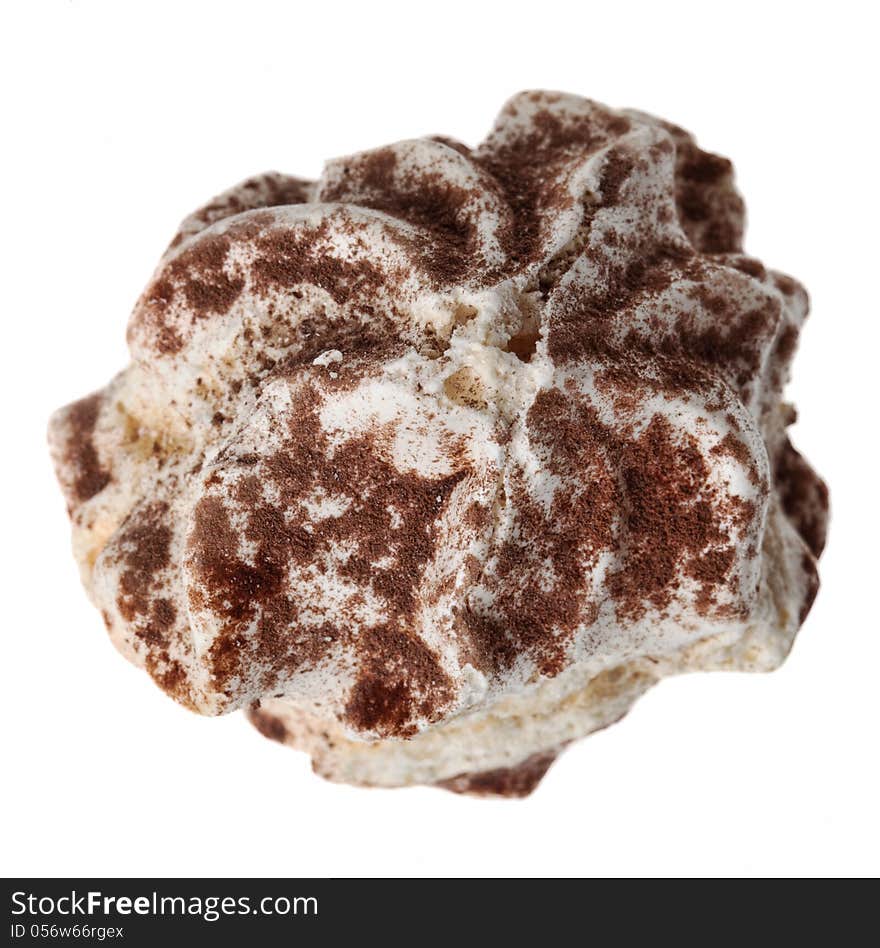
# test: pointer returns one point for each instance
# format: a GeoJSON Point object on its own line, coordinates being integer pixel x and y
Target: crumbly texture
{"type": "Point", "coordinates": [438, 463]}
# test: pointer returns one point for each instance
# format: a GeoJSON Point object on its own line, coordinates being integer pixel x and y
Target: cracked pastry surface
{"type": "Point", "coordinates": [436, 464]}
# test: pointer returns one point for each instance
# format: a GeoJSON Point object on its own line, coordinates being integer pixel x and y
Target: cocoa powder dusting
{"type": "Point", "coordinates": [425, 199]}
{"type": "Point", "coordinates": [804, 498]}
{"type": "Point", "coordinates": [711, 212]}
{"type": "Point", "coordinates": [199, 278]}
{"type": "Point", "coordinates": [288, 257]}
{"type": "Point", "coordinates": [144, 542]}
{"type": "Point", "coordinates": [645, 498]}
{"type": "Point", "coordinates": [142, 553]}
{"type": "Point", "coordinates": [90, 475]}
{"type": "Point", "coordinates": [268, 190]}
{"type": "Point", "coordinates": [671, 523]}
{"type": "Point", "coordinates": [531, 168]}
{"type": "Point", "coordinates": [518, 781]}
{"type": "Point", "coordinates": [389, 523]}
{"type": "Point", "coordinates": [670, 518]}
{"type": "Point", "coordinates": [269, 725]}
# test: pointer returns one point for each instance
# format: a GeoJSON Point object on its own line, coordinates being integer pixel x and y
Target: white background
{"type": "Point", "coordinates": [119, 118]}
